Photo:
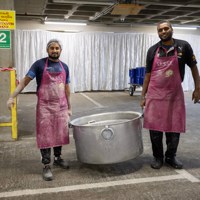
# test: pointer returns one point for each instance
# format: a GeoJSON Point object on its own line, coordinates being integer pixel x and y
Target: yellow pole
{"type": "Point", "coordinates": [14, 109]}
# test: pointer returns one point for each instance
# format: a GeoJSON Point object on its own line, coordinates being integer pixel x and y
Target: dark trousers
{"type": "Point", "coordinates": [46, 154]}
{"type": "Point", "coordinates": [172, 141]}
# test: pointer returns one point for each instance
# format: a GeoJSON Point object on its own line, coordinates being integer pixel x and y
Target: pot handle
{"type": "Point", "coordinates": [142, 116]}
{"type": "Point", "coordinates": [107, 133]}
{"type": "Point", "coordinates": [70, 125]}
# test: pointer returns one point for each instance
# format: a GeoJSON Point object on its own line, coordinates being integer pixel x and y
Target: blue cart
{"type": "Point", "coordinates": [136, 76]}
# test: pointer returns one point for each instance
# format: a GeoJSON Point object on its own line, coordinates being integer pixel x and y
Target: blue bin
{"type": "Point", "coordinates": [142, 71]}
{"type": "Point", "coordinates": [141, 80]}
{"type": "Point", "coordinates": [131, 73]}
{"type": "Point", "coordinates": [132, 80]}
{"type": "Point", "coordinates": [138, 71]}
{"type": "Point", "coordinates": [137, 80]}
{"type": "Point", "coordinates": [137, 75]}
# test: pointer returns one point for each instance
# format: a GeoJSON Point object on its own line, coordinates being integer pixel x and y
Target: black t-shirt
{"type": "Point", "coordinates": [185, 55]}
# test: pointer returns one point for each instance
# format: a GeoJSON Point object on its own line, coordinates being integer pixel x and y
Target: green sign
{"type": "Point", "coordinates": [4, 39]}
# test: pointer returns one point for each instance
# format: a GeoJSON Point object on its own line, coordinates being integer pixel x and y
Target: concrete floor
{"type": "Point", "coordinates": [20, 166]}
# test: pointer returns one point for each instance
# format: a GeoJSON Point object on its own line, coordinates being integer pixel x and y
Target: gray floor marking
{"type": "Point", "coordinates": [188, 176]}
{"type": "Point", "coordinates": [90, 99]}
{"type": "Point", "coordinates": [89, 186]}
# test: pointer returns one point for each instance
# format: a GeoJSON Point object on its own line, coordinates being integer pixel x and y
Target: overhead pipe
{"type": "Point", "coordinates": [104, 11]}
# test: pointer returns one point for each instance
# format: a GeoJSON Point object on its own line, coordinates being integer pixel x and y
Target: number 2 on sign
{"type": "Point", "coordinates": [2, 38]}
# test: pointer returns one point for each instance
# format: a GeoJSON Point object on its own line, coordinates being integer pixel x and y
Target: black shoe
{"type": "Point", "coordinates": [58, 161]}
{"type": "Point", "coordinates": [173, 162]}
{"type": "Point", "coordinates": [47, 175]}
{"type": "Point", "coordinates": [157, 163]}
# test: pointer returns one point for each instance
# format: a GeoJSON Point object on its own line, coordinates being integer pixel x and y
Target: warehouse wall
{"type": "Point", "coordinates": [95, 58]}
{"type": "Point", "coordinates": [32, 25]}
{"type": "Point", "coordinates": [32, 39]}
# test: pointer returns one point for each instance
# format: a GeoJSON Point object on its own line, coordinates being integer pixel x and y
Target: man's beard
{"type": "Point", "coordinates": [54, 57]}
{"type": "Point", "coordinates": [168, 38]}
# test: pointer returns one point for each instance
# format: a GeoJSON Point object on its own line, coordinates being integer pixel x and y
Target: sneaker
{"type": "Point", "coordinates": [173, 162]}
{"type": "Point", "coordinates": [157, 163]}
{"type": "Point", "coordinates": [58, 161]}
{"type": "Point", "coordinates": [47, 175]}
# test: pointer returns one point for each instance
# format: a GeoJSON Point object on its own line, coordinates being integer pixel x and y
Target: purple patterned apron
{"type": "Point", "coordinates": [52, 110]}
{"type": "Point", "coordinates": [165, 107]}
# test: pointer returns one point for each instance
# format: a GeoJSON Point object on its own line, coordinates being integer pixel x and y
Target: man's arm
{"type": "Point", "coordinates": [22, 84]}
{"type": "Point", "coordinates": [68, 93]}
{"type": "Point", "coordinates": [144, 89]}
{"type": "Point", "coordinates": [196, 78]}
{"type": "Point", "coordinates": [149, 62]}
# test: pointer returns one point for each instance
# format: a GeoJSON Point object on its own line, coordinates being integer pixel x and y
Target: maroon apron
{"type": "Point", "coordinates": [165, 107]}
{"type": "Point", "coordinates": [52, 110]}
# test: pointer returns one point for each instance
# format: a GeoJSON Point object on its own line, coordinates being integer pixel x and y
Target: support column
{"type": "Point", "coordinates": [6, 60]}
{"type": "Point", "coordinates": [6, 55]}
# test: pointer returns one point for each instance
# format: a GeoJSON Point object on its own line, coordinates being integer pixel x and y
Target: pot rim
{"type": "Point", "coordinates": [73, 122]}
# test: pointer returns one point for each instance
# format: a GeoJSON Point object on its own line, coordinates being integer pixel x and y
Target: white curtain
{"type": "Point", "coordinates": [97, 61]}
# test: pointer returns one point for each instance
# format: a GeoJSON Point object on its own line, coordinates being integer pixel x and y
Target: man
{"type": "Point", "coordinates": [162, 93]}
{"type": "Point", "coordinates": [53, 106]}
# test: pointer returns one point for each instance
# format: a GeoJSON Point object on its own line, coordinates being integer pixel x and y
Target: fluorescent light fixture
{"type": "Point", "coordinates": [65, 23]}
{"type": "Point", "coordinates": [84, 2]}
{"type": "Point", "coordinates": [72, 31]}
{"type": "Point", "coordinates": [184, 28]}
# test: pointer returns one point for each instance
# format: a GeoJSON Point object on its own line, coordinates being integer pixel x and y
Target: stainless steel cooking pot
{"type": "Point", "coordinates": [108, 137]}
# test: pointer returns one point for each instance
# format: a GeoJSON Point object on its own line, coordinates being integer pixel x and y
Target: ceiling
{"type": "Point", "coordinates": [127, 12]}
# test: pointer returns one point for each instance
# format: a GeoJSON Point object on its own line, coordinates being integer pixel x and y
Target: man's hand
{"type": "Point", "coordinates": [142, 102]}
{"type": "Point", "coordinates": [196, 95]}
{"type": "Point", "coordinates": [70, 112]}
{"type": "Point", "coordinates": [10, 103]}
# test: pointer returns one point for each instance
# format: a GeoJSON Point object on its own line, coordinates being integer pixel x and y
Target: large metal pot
{"type": "Point", "coordinates": [108, 137]}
